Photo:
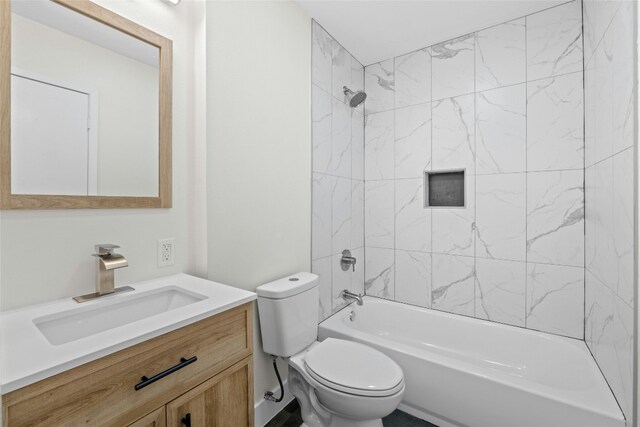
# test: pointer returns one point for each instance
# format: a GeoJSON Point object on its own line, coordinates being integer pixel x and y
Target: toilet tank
{"type": "Point", "coordinates": [288, 310]}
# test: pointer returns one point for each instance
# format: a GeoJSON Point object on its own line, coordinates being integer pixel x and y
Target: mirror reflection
{"type": "Point", "coordinates": [84, 106]}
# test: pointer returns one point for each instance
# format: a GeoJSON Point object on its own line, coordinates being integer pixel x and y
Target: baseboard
{"type": "Point", "coordinates": [265, 410]}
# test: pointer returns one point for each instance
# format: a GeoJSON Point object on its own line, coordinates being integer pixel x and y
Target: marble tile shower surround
{"type": "Point", "coordinates": [546, 238]}
{"type": "Point", "coordinates": [338, 170]}
{"type": "Point", "coordinates": [506, 105]}
{"type": "Point", "coordinates": [610, 87]}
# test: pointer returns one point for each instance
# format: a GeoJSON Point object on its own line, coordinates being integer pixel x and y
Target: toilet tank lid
{"type": "Point", "coordinates": [288, 286]}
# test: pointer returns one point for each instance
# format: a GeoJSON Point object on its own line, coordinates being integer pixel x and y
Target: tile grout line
{"type": "Point", "coordinates": [471, 256]}
{"type": "Point", "coordinates": [526, 168]}
{"type": "Point", "coordinates": [394, 181]}
{"type": "Point", "coordinates": [364, 252]}
{"type": "Point", "coordinates": [609, 157]}
{"type": "Point", "coordinates": [351, 118]}
{"type": "Point", "coordinates": [424, 180]}
{"type": "Point", "coordinates": [334, 187]}
{"type": "Point", "coordinates": [483, 175]}
{"type": "Point", "coordinates": [474, 231]}
{"type": "Point", "coordinates": [635, 383]}
{"type": "Point", "coordinates": [364, 183]}
{"type": "Point", "coordinates": [312, 157]}
{"type": "Point", "coordinates": [584, 181]}
{"type": "Point", "coordinates": [549, 77]}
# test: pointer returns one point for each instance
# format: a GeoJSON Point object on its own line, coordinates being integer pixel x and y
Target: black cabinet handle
{"type": "Point", "coordinates": [144, 381]}
{"type": "Point", "coordinates": [187, 420]}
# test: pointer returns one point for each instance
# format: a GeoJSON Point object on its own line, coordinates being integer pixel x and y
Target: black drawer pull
{"type": "Point", "coordinates": [144, 381]}
{"type": "Point", "coordinates": [187, 420]}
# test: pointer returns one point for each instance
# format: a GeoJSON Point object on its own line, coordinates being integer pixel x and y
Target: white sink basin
{"type": "Point", "coordinates": [39, 341]}
{"type": "Point", "coordinates": [109, 313]}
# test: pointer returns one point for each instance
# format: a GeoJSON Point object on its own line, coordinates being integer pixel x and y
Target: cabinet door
{"type": "Point", "coordinates": [155, 419]}
{"type": "Point", "coordinates": [225, 400]}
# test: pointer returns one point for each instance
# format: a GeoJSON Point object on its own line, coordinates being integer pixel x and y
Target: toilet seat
{"type": "Point", "coordinates": [353, 368]}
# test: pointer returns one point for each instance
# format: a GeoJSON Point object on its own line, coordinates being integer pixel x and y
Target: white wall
{"type": "Point", "coordinates": [257, 164]}
{"type": "Point", "coordinates": [47, 254]}
{"type": "Point", "coordinates": [197, 181]}
{"type": "Point", "coordinates": [258, 148]}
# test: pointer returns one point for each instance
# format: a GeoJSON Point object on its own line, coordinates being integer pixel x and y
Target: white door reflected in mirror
{"type": "Point", "coordinates": [51, 134]}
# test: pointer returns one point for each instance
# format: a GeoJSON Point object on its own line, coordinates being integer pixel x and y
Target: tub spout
{"type": "Point", "coordinates": [346, 295]}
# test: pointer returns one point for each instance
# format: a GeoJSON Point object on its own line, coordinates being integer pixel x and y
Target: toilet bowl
{"type": "Point", "coordinates": [346, 384]}
{"type": "Point", "coordinates": [338, 383]}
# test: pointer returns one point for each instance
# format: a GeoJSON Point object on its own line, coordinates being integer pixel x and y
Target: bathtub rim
{"type": "Point", "coordinates": [442, 360]}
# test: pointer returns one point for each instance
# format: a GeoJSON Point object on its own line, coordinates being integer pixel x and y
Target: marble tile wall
{"type": "Point", "coordinates": [609, 176]}
{"type": "Point", "coordinates": [505, 104]}
{"type": "Point", "coordinates": [338, 170]}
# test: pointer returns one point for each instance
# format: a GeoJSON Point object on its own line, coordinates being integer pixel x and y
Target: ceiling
{"type": "Point", "coordinates": [75, 24]}
{"type": "Point", "coordinates": [375, 30]}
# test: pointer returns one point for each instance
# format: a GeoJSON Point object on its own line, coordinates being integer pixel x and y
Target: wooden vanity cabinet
{"type": "Point", "coordinates": [217, 387]}
{"type": "Point", "coordinates": [157, 418]}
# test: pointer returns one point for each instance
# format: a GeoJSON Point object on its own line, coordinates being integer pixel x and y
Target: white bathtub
{"type": "Point", "coordinates": [461, 371]}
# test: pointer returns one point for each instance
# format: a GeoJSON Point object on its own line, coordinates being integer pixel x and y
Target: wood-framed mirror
{"type": "Point", "coordinates": [85, 108]}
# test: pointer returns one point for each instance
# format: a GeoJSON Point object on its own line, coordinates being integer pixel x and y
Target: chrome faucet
{"type": "Point", "coordinates": [107, 261]}
{"type": "Point", "coordinates": [346, 295]}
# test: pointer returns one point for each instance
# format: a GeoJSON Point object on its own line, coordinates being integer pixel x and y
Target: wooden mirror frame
{"type": "Point", "coordinates": [29, 201]}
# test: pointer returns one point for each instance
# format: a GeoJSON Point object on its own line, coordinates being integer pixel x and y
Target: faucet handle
{"type": "Point", "coordinates": [105, 249]}
{"type": "Point", "coordinates": [347, 260]}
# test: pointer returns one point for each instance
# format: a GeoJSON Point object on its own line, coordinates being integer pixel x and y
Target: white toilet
{"type": "Point", "coordinates": [338, 383]}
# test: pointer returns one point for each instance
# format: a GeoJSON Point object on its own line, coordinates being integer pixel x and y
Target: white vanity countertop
{"type": "Point", "coordinates": [26, 356]}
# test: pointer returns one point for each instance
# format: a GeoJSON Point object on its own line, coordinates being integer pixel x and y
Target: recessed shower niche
{"type": "Point", "coordinates": [444, 189]}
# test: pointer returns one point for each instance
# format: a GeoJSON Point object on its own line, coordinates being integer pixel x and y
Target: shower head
{"type": "Point", "coordinates": [356, 98]}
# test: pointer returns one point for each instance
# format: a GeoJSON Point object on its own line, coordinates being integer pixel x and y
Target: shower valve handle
{"type": "Point", "coordinates": [347, 260]}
